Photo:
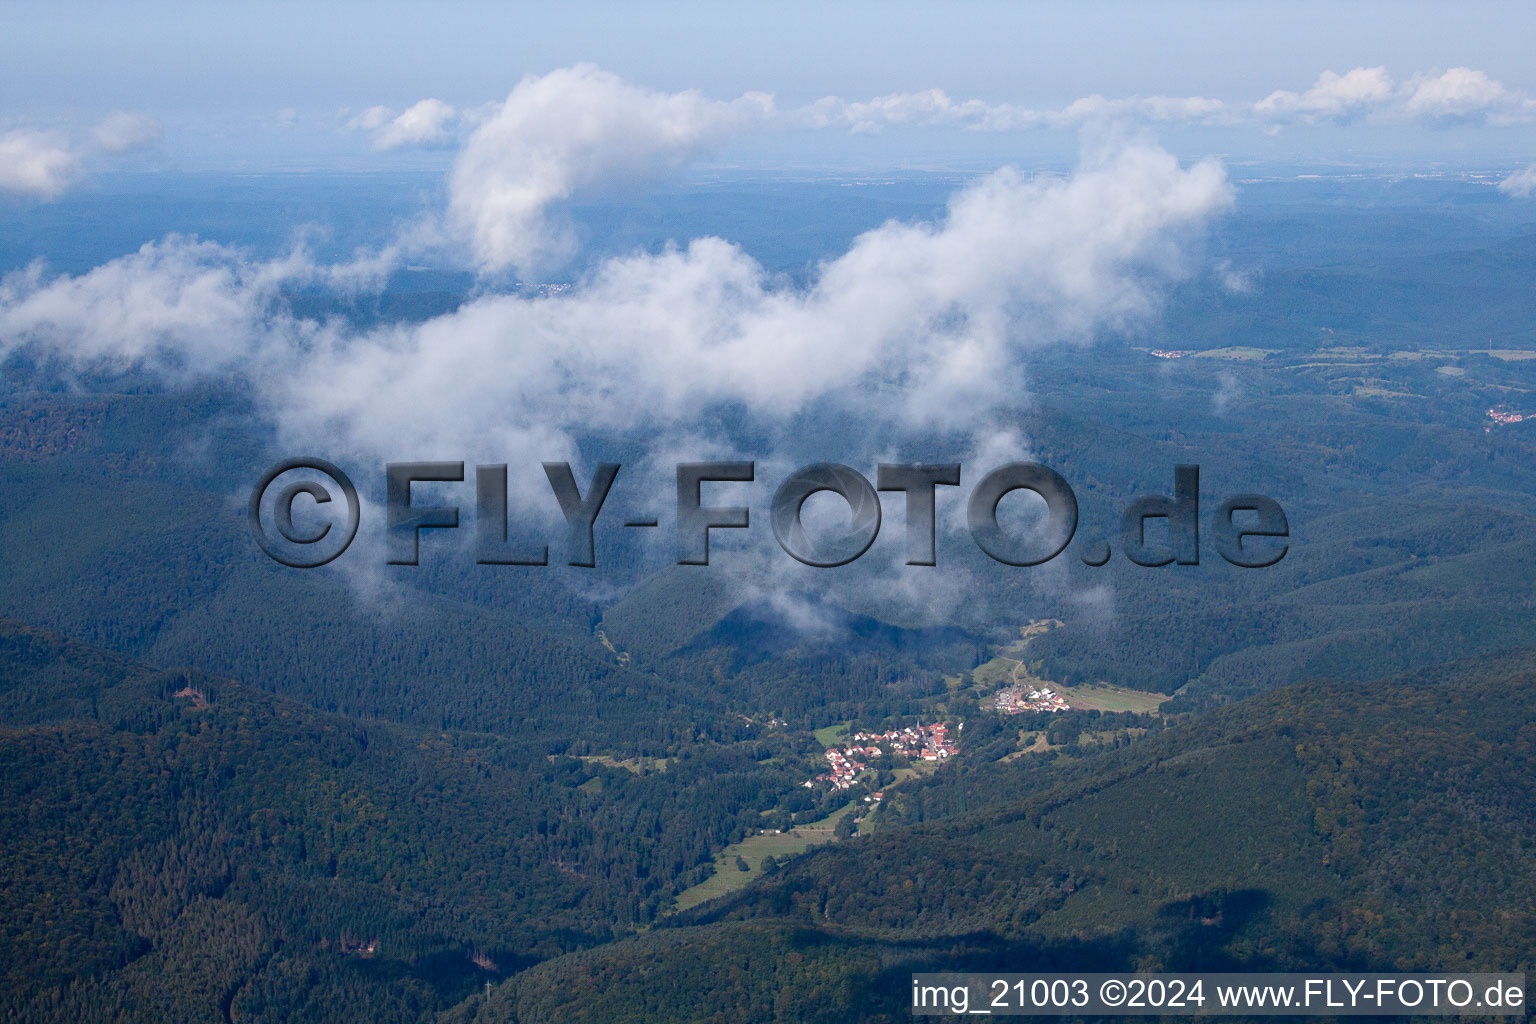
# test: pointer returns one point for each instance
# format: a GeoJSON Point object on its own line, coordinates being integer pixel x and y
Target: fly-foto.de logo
{"type": "Point", "coordinates": [1248, 530]}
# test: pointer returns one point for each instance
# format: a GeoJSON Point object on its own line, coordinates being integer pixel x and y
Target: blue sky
{"type": "Point", "coordinates": [274, 85]}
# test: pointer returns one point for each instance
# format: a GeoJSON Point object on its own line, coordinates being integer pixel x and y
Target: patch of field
{"type": "Point", "coordinates": [831, 735]}
{"type": "Point", "coordinates": [1451, 371]}
{"type": "Point", "coordinates": [1330, 366]}
{"type": "Point", "coordinates": [621, 656]}
{"type": "Point", "coordinates": [1029, 743]}
{"type": "Point", "coordinates": [912, 770]}
{"type": "Point", "coordinates": [637, 765]}
{"type": "Point", "coordinates": [1242, 352]}
{"type": "Point", "coordinates": [728, 878]}
{"type": "Point", "coordinates": [997, 672]}
{"type": "Point", "coordinates": [1107, 737]}
{"type": "Point", "coordinates": [1040, 742]}
{"type": "Point", "coordinates": [1509, 355]}
{"type": "Point", "coordinates": [1375, 392]}
{"type": "Point", "coordinates": [1037, 627]}
{"type": "Point", "coordinates": [1007, 668]}
{"type": "Point", "coordinates": [1103, 697]}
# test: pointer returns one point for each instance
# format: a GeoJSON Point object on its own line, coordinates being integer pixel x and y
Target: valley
{"type": "Point", "coordinates": [456, 793]}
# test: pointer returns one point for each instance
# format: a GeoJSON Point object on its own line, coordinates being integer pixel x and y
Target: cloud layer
{"type": "Point", "coordinates": [427, 123]}
{"type": "Point", "coordinates": [566, 131]}
{"type": "Point", "coordinates": [1433, 99]}
{"type": "Point", "coordinates": [36, 164]}
{"type": "Point", "coordinates": [124, 132]}
{"type": "Point", "coordinates": [653, 340]}
{"type": "Point", "coordinates": [1457, 95]}
{"type": "Point", "coordinates": [580, 127]}
{"type": "Point", "coordinates": [652, 345]}
{"type": "Point", "coordinates": [1521, 183]}
{"type": "Point", "coordinates": [649, 342]}
{"type": "Point", "coordinates": [649, 345]}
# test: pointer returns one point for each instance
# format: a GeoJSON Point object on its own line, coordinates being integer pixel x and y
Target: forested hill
{"type": "Point", "coordinates": [178, 847]}
{"type": "Point", "coordinates": [1383, 825]}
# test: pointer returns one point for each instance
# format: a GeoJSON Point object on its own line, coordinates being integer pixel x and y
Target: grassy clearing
{"type": "Point", "coordinates": [997, 672]}
{"type": "Point", "coordinates": [1331, 366]}
{"type": "Point", "coordinates": [1106, 737]}
{"type": "Point", "coordinates": [1508, 355]}
{"type": "Point", "coordinates": [1375, 392]}
{"type": "Point", "coordinates": [831, 735]}
{"type": "Point", "coordinates": [1241, 352]}
{"type": "Point", "coordinates": [913, 770]}
{"type": "Point", "coordinates": [1103, 697]}
{"type": "Point", "coordinates": [636, 765]}
{"type": "Point", "coordinates": [728, 878]}
{"type": "Point", "coordinates": [621, 656]}
{"type": "Point", "coordinates": [1029, 743]}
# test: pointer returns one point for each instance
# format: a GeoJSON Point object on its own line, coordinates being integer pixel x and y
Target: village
{"type": "Point", "coordinates": [1015, 700]}
{"type": "Point", "coordinates": [1505, 417]}
{"type": "Point", "coordinates": [920, 742]}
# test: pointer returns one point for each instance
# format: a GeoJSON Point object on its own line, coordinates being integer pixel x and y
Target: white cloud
{"type": "Point", "coordinates": [1457, 95]}
{"type": "Point", "coordinates": [373, 117]}
{"type": "Point", "coordinates": [1238, 282]}
{"type": "Point", "coordinates": [930, 108]}
{"type": "Point", "coordinates": [1521, 183]}
{"type": "Point", "coordinates": [422, 124]}
{"type": "Point", "coordinates": [180, 306]}
{"type": "Point", "coordinates": [947, 310]}
{"type": "Point", "coordinates": [650, 341]}
{"type": "Point", "coordinates": [648, 345]}
{"type": "Point", "coordinates": [125, 132]}
{"type": "Point", "coordinates": [934, 108]}
{"type": "Point", "coordinates": [562, 132]}
{"type": "Point", "coordinates": [1228, 390]}
{"type": "Point", "coordinates": [1154, 109]}
{"type": "Point", "coordinates": [1333, 97]}
{"type": "Point", "coordinates": [37, 164]}
{"type": "Point", "coordinates": [180, 303]}
{"type": "Point", "coordinates": [1462, 94]}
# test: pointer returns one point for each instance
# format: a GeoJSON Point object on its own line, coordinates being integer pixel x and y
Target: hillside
{"type": "Point", "coordinates": [1385, 825]}
{"type": "Point", "coordinates": [182, 847]}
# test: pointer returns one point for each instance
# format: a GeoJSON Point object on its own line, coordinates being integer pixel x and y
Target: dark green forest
{"type": "Point", "coordinates": [160, 823]}
{"type": "Point", "coordinates": [1325, 826]}
{"type": "Point", "coordinates": [451, 792]}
